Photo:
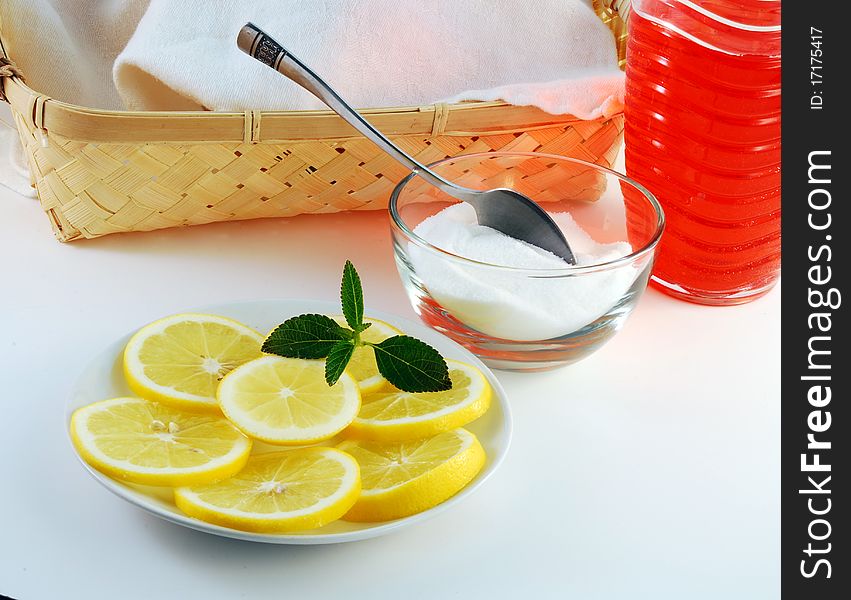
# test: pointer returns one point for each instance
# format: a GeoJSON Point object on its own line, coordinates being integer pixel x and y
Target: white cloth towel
{"type": "Point", "coordinates": [66, 48]}
{"type": "Point", "coordinates": [13, 166]}
{"type": "Point", "coordinates": [375, 53]}
{"type": "Point", "coordinates": [182, 54]}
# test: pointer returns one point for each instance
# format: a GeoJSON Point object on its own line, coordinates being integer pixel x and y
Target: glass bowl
{"type": "Point", "coordinates": [521, 318]}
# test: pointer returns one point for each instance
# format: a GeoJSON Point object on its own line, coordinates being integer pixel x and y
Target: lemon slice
{"type": "Point", "coordinates": [399, 479]}
{"type": "Point", "coordinates": [154, 444]}
{"type": "Point", "coordinates": [362, 365]}
{"type": "Point", "coordinates": [180, 359]}
{"type": "Point", "coordinates": [280, 491]}
{"type": "Point", "coordinates": [391, 414]}
{"type": "Point", "coordinates": [287, 401]}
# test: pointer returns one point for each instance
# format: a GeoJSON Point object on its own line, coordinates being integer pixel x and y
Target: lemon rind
{"type": "Point", "coordinates": [372, 384]}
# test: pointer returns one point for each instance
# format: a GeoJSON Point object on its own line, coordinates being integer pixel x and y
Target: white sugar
{"type": "Point", "coordinates": [507, 305]}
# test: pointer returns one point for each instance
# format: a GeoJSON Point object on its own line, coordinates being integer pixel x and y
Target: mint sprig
{"type": "Point", "coordinates": [305, 336]}
{"type": "Point", "coordinates": [407, 359]}
{"type": "Point", "coordinates": [337, 359]}
{"type": "Point", "coordinates": [408, 363]}
{"type": "Point", "coordinates": [351, 297]}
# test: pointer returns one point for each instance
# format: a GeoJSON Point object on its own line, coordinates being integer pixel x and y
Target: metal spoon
{"type": "Point", "coordinates": [502, 209]}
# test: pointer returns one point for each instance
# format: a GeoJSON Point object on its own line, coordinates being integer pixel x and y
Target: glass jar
{"type": "Point", "coordinates": [703, 134]}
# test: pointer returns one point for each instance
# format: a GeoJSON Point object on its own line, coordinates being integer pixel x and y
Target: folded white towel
{"type": "Point", "coordinates": [181, 54]}
{"type": "Point", "coordinates": [66, 48]}
{"type": "Point", "coordinates": [375, 52]}
{"type": "Point", "coordinates": [589, 94]}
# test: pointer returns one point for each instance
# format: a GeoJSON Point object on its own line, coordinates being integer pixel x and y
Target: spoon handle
{"type": "Point", "coordinates": [259, 45]}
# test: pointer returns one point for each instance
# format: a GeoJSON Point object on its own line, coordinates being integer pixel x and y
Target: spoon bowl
{"type": "Point", "coordinates": [518, 216]}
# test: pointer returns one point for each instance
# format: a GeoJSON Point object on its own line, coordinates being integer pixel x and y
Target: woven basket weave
{"type": "Point", "coordinates": [99, 172]}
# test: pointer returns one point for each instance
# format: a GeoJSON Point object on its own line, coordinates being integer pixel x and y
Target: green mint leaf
{"type": "Point", "coordinates": [412, 365]}
{"type": "Point", "coordinates": [338, 358]}
{"type": "Point", "coordinates": [304, 336]}
{"type": "Point", "coordinates": [351, 296]}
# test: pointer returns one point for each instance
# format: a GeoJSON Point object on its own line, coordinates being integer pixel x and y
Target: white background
{"type": "Point", "coordinates": [650, 470]}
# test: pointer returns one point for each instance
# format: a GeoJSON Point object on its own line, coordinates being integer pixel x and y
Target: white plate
{"type": "Point", "coordinates": [103, 379]}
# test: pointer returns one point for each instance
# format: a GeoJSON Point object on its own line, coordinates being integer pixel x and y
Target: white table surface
{"type": "Point", "coordinates": [650, 470]}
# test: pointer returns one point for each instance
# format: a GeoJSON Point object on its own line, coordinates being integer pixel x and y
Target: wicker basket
{"type": "Point", "coordinates": [99, 172]}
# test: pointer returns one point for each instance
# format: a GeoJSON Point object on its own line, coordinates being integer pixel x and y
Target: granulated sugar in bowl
{"type": "Point", "coordinates": [515, 305]}
{"type": "Point", "coordinates": [501, 305]}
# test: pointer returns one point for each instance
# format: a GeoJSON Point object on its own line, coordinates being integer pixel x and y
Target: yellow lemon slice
{"type": "Point", "coordinates": [362, 365]}
{"type": "Point", "coordinates": [280, 491]}
{"type": "Point", "coordinates": [154, 444]}
{"type": "Point", "coordinates": [390, 414]}
{"type": "Point", "coordinates": [287, 401]}
{"type": "Point", "coordinates": [180, 359]}
{"type": "Point", "coordinates": [399, 479]}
